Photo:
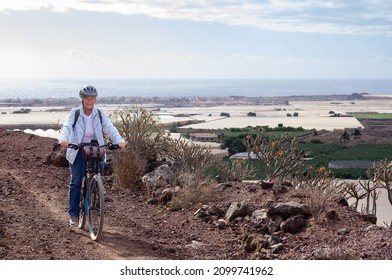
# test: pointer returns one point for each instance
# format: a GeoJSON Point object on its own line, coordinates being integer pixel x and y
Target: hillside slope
{"type": "Point", "coordinates": [34, 222]}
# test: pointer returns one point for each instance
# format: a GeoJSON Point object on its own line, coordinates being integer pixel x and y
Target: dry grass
{"type": "Point", "coordinates": [237, 169]}
{"type": "Point", "coordinates": [194, 190]}
{"type": "Point", "coordinates": [318, 189]}
{"type": "Point", "coordinates": [129, 168]}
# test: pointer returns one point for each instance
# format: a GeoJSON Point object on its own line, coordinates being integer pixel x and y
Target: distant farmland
{"type": "Point", "coordinates": [373, 116]}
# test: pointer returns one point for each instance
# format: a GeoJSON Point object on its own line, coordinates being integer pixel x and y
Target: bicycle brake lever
{"type": "Point", "coordinates": [113, 146]}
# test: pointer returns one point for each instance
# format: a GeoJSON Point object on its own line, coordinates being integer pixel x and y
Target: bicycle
{"type": "Point", "coordinates": [92, 195]}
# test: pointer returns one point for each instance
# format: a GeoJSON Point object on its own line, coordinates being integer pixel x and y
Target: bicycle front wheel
{"type": "Point", "coordinates": [96, 207]}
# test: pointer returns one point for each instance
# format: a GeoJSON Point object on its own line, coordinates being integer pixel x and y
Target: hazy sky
{"type": "Point", "coordinates": [195, 39]}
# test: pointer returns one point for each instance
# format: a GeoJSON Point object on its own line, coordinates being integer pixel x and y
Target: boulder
{"type": "Point", "coordinates": [237, 209]}
{"type": "Point", "coordinates": [288, 209]}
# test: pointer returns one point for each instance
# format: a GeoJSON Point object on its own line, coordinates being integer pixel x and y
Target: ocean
{"type": "Point", "coordinates": [41, 89]}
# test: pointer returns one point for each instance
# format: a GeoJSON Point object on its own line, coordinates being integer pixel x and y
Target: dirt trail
{"type": "Point", "coordinates": [33, 209]}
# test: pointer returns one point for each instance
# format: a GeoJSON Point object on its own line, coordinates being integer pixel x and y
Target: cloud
{"type": "Point", "coordinates": [169, 58]}
{"type": "Point", "coordinates": [77, 54]}
{"type": "Point", "coordinates": [382, 58]}
{"type": "Point", "coordinates": [365, 17]}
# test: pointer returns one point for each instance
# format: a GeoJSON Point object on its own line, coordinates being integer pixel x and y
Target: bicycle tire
{"type": "Point", "coordinates": [96, 207]}
{"type": "Point", "coordinates": [83, 204]}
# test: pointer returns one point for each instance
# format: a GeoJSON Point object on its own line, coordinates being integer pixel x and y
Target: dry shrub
{"type": "Point", "coordinates": [146, 143]}
{"type": "Point", "coordinates": [193, 190]}
{"type": "Point", "coordinates": [318, 189]}
{"type": "Point", "coordinates": [236, 169]}
{"type": "Point", "coordinates": [129, 168]}
{"type": "Point", "coordinates": [193, 158]}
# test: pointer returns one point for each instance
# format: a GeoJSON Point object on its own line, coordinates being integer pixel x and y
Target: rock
{"type": "Point", "coordinates": [273, 239]}
{"type": "Point", "coordinates": [159, 178]}
{"type": "Point", "coordinates": [195, 244]}
{"type": "Point", "coordinates": [343, 231]}
{"type": "Point", "coordinates": [266, 185]}
{"type": "Point", "coordinates": [369, 218]}
{"type": "Point", "coordinates": [294, 224]}
{"type": "Point", "coordinates": [255, 242]}
{"type": "Point", "coordinates": [216, 211]}
{"type": "Point", "coordinates": [288, 209]}
{"type": "Point", "coordinates": [332, 215]}
{"type": "Point", "coordinates": [237, 209]}
{"type": "Point", "coordinates": [274, 223]}
{"type": "Point", "coordinates": [277, 248]}
{"type": "Point", "coordinates": [221, 223]}
{"type": "Point", "coordinates": [280, 189]}
{"type": "Point", "coordinates": [203, 214]}
{"type": "Point", "coordinates": [258, 216]}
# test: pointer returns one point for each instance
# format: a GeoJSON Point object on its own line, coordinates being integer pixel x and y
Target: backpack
{"type": "Point", "coordinates": [77, 114]}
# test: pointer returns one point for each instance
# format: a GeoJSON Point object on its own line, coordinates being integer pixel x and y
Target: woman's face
{"type": "Point", "coordinates": [88, 102]}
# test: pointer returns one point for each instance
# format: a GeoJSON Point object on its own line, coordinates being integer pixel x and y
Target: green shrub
{"type": "Point", "coordinates": [146, 144]}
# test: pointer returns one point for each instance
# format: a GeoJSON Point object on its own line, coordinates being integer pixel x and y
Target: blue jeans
{"type": "Point", "coordinates": [75, 185]}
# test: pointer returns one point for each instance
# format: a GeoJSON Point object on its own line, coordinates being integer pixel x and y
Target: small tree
{"type": "Point", "coordinates": [381, 175]}
{"type": "Point", "coordinates": [344, 137]}
{"type": "Point", "coordinates": [278, 155]}
{"type": "Point", "coordinates": [357, 133]}
{"type": "Point", "coordinates": [352, 190]}
{"type": "Point", "coordinates": [224, 114]}
{"type": "Point", "coordinates": [370, 188]}
{"type": "Point", "coordinates": [236, 146]}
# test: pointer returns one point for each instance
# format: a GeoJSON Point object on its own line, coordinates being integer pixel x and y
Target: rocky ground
{"type": "Point", "coordinates": [34, 222]}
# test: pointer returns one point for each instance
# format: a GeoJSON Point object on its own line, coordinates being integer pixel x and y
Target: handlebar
{"type": "Point", "coordinates": [109, 146]}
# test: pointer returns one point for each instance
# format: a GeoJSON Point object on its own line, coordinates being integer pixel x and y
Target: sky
{"type": "Point", "coordinates": [201, 39]}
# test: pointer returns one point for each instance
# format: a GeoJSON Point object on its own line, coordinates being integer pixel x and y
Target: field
{"type": "Point", "coordinates": [373, 116]}
{"type": "Point", "coordinates": [311, 114]}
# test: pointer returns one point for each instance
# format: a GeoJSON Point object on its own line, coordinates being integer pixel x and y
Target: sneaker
{"type": "Point", "coordinates": [73, 221]}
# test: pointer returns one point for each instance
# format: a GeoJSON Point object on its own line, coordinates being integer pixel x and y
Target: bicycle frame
{"type": "Point", "coordinates": [90, 169]}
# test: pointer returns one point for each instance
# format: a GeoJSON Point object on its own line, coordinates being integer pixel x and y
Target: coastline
{"type": "Point", "coordinates": [205, 114]}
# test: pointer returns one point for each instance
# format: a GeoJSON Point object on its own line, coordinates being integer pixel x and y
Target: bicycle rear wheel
{"type": "Point", "coordinates": [83, 205]}
{"type": "Point", "coordinates": [96, 207]}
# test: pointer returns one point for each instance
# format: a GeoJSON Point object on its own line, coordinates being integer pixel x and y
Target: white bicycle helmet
{"type": "Point", "coordinates": [88, 91]}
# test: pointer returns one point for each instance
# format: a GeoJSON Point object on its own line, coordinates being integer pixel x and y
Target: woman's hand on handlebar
{"type": "Point", "coordinates": [122, 145]}
{"type": "Point", "coordinates": [64, 144]}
